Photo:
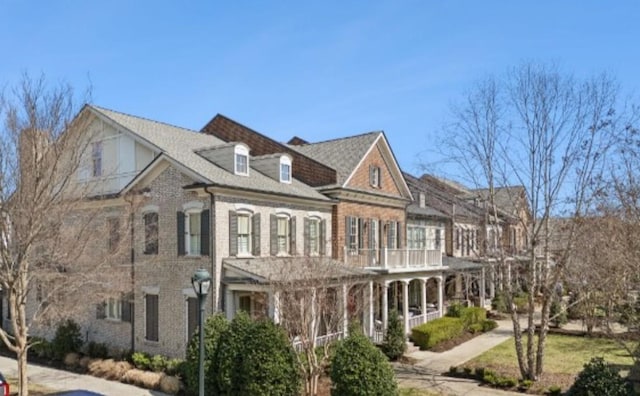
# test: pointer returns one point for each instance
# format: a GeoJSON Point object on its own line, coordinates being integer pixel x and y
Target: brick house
{"type": "Point", "coordinates": [200, 203]}
{"type": "Point", "coordinates": [369, 218]}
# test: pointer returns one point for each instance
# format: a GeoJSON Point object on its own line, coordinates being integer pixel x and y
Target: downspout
{"type": "Point", "coordinates": [133, 280]}
{"type": "Point", "coordinates": [212, 248]}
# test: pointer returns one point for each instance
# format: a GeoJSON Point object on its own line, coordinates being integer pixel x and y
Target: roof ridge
{"type": "Point", "coordinates": [144, 118]}
{"type": "Point", "coordinates": [342, 138]}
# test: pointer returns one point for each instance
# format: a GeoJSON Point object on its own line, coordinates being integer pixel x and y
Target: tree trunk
{"type": "Point", "coordinates": [23, 379]}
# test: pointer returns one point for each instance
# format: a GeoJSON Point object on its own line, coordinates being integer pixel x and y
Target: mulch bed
{"type": "Point", "coordinates": [450, 344]}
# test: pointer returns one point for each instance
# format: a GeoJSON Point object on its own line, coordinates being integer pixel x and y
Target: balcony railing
{"type": "Point", "coordinates": [393, 259]}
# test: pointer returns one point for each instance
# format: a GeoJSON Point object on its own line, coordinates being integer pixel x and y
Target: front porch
{"type": "Point", "coordinates": [393, 259]}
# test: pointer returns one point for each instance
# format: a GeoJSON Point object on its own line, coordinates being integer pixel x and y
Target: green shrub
{"type": "Point", "coordinates": [97, 350]}
{"type": "Point", "coordinates": [472, 315]}
{"type": "Point", "coordinates": [499, 303]}
{"type": "Point", "coordinates": [394, 344]}
{"type": "Point", "coordinates": [453, 370]}
{"type": "Point", "coordinates": [175, 367]}
{"type": "Point", "coordinates": [67, 339]}
{"type": "Point", "coordinates": [475, 328]}
{"type": "Point", "coordinates": [42, 348]}
{"type": "Point", "coordinates": [525, 385]}
{"type": "Point", "coordinates": [557, 313]}
{"type": "Point", "coordinates": [158, 363]}
{"type": "Point", "coordinates": [359, 368]}
{"type": "Point", "coordinates": [455, 310]}
{"type": "Point", "coordinates": [431, 333]}
{"type": "Point", "coordinates": [599, 378]}
{"type": "Point", "coordinates": [141, 360]}
{"type": "Point", "coordinates": [554, 390]}
{"type": "Point", "coordinates": [479, 375]}
{"type": "Point", "coordinates": [226, 353]}
{"type": "Point", "coordinates": [213, 326]}
{"type": "Point", "coordinates": [267, 364]}
{"type": "Point", "coordinates": [488, 325]}
{"type": "Point", "coordinates": [467, 371]}
{"type": "Point", "coordinates": [507, 382]}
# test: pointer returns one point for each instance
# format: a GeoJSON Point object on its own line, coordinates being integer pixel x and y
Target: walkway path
{"type": "Point", "coordinates": [61, 380]}
{"type": "Point", "coordinates": [427, 372]}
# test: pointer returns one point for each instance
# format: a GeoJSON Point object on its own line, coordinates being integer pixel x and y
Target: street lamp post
{"type": "Point", "coordinates": [201, 281]}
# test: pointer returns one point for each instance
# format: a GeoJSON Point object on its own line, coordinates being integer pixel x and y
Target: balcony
{"type": "Point", "coordinates": [393, 259]}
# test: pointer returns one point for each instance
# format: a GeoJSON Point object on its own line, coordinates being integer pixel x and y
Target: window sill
{"type": "Point", "coordinates": [151, 342]}
{"type": "Point", "coordinates": [244, 255]}
{"type": "Point", "coordinates": [113, 320]}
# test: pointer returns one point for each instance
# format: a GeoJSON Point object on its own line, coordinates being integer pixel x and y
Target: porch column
{"type": "Point", "coordinates": [440, 294]}
{"type": "Point", "coordinates": [370, 323]}
{"type": "Point", "coordinates": [423, 297]}
{"type": "Point", "coordinates": [345, 310]}
{"type": "Point", "coordinates": [458, 286]}
{"type": "Point", "coordinates": [405, 304]}
{"type": "Point", "coordinates": [492, 282]}
{"type": "Point", "coordinates": [229, 304]}
{"type": "Point", "coordinates": [385, 305]}
{"type": "Point", "coordinates": [274, 306]}
{"type": "Point", "coordinates": [482, 287]}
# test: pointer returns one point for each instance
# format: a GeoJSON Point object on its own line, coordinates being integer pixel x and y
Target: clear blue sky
{"type": "Point", "coordinates": [319, 70]}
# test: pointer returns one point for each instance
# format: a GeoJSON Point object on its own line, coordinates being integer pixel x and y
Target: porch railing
{"type": "Point", "coordinates": [320, 340]}
{"type": "Point", "coordinates": [417, 320]}
{"type": "Point", "coordinates": [393, 258]}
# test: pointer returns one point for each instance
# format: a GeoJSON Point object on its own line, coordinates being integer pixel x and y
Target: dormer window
{"type": "Point", "coordinates": [422, 200]}
{"type": "Point", "coordinates": [285, 169]}
{"type": "Point", "coordinates": [241, 160]}
{"type": "Point", "coordinates": [374, 176]}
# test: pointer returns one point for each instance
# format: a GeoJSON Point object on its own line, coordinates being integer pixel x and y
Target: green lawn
{"type": "Point", "coordinates": [565, 357]}
{"type": "Point", "coordinates": [563, 354]}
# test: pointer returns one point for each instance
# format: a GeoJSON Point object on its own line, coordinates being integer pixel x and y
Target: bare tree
{"type": "Point", "coordinates": [551, 133]}
{"type": "Point", "coordinates": [315, 301]}
{"type": "Point", "coordinates": [47, 226]}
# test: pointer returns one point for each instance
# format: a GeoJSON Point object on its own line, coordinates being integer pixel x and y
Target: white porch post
{"type": "Point", "coordinates": [423, 297]}
{"type": "Point", "coordinates": [385, 305]}
{"type": "Point", "coordinates": [405, 304]}
{"type": "Point", "coordinates": [492, 281]}
{"type": "Point", "coordinates": [482, 287]}
{"type": "Point", "coordinates": [440, 294]}
{"type": "Point", "coordinates": [274, 306]}
{"type": "Point", "coordinates": [229, 304]}
{"type": "Point", "coordinates": [370, 324]}
{"type": "Point", "coordinates": [345, 310]}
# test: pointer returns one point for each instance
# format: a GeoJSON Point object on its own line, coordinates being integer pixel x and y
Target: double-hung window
{"type": "Point", "coordinates": [241, 160]}
{"type": "Point", "coordinates": [114, 309]}
{"type": "Point", "coordinates": [193, 230]}
{"type": "Point", "coordinates": [96, 159]}
{"type": "Point", "coordinates": [244, 233]}
{"type": "Point", "coordinates": [284, 237]}
{"type": "Point", "coordinates": [314, 236]}
{"type": "Point", "coordinates": [151, 233]}
{"type": "Point", "coordinates": [374, 176]}
{"type": "Point", "coordinates": [285, 169]}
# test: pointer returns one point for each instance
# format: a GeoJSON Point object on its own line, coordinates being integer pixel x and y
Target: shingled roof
{"type": "Point", "coordinates": [181, 145]}
{"type": "Point", "coordinates": [342, 154]}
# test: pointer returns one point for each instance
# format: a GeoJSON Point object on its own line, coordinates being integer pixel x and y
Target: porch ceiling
{"type": "Point", "coordinates": [283, 270]}
{"type": "Point", "coordinates": [458, 264]}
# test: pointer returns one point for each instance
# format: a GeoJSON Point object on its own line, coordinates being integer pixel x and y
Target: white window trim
{"type": "Point", "coordinates": [249, 215]}
{"type": "Point", "coordinates": [187, 234]}
{"type": "Point", "coordinates": [97, 154]}
{"type": "Point", "coordinates": [285, 160]}
{"type": "Point", "coordinates": [286, 216]}
{"type": "Point", "coordinates": [150, 209]}
{"type": "Point", "coordinates": [240, 149]}
{"type": "Point", "coordinates": [318, 221]}
{"type": "Point", "coordinates": [374, 176]}
{"type": "Point", "coordinates": [118, 316]}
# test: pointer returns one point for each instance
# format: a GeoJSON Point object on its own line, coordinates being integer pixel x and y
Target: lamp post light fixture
{"type": "Point", "coordinates": [201, 281]}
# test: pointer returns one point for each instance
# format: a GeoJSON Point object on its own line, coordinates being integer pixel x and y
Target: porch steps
{"type": "Point", "coordinates": [411, 347]}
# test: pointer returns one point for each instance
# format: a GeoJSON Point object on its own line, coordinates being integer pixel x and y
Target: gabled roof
{"type": "Point", "coordinates": [181, 146]}
{"type": "Point", "coordinates": [443, 199]}
{"type": "Point", "coordinates": [342, 154]}
{"type": "Point", "coordinates": [506, 198]}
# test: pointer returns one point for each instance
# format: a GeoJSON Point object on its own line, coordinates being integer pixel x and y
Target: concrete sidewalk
{"type": "Point", "coordinates": [61, 380]}
{"type": "Point", "coordinates": [427, 372]}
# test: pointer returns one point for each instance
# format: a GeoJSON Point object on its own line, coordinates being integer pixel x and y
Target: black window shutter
{"type": "Point", "coordinates": [323, 237]}
{"type": "Point", "coordinates": [181, 248]}
{"type": "Point", "coordinates": [307, 235]}
{"type": "Point", "coordinates": [371, 230]}
{"type": "Point", "coordinates": [273, 230]}
{"type": "Point", "coordinates": [101, 310]}
{"type": "Point", "coordinates": [255, 234]}
{"type": "Point", "coordinates": [292, 236]}
{"type": "Point", "coordinates": [360, 233]}
{"type": "Point", "coordinates": [152, 317]}
{"type": "Point", "coordinates": [127, 307]}
{"type": "Point", "coordinates": [233, 233]}
{"type": "Point", "coordinates": [204, 232]}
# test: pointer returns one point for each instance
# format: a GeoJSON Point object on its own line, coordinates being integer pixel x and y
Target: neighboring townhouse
{"type": "Point", "coordinates": [369, 219]}
{"type": "Point", "coordinates": [197, 202]}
